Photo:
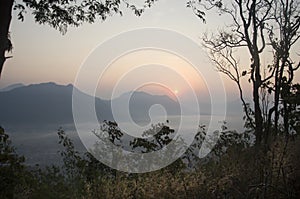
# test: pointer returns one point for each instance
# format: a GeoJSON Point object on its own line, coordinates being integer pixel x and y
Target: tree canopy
{"type": "Point", "coordinates": [60, 14]}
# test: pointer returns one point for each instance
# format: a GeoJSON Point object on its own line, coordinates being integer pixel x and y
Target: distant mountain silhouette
{"type": "Point", "coordinates": [139, 103]}
{"type": "Point", "coordinates": [11, 87]}
{"type": "Point", "coordinates": [51, 104]}
{"type": "Point", "coordinates": [41, 104]}
{"type": "Point", "coordinates": [33, 113]}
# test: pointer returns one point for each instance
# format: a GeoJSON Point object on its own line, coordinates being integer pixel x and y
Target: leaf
{"type": "Point", "coordinates": [244, 73]}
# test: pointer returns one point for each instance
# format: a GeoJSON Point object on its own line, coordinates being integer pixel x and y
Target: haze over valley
{"type": "Point", "coordinates": [33, 114]}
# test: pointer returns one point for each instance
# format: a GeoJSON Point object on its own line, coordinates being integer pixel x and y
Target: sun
{"type": "Point", "coordinates": [176, 91]}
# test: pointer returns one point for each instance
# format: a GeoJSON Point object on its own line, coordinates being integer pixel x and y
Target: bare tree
{"type": "Point", "coordinates": [260, 27]}
{"type": "Point", "coordinates": [283, 35]}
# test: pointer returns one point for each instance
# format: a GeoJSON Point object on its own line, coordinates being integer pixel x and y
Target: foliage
{"type": "Point", "coordinates": [61, 14]}
{"type": "Point", "coordinates": [266, 29]}
{"type": "Point", "coordinates": [11, 167]}
{"type": "Point", "coordinates": [269, 29]}
{"type": "Point", "coordinates": [231, 171]}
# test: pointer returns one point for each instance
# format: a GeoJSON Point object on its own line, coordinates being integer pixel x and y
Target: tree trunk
{"type": "Point", "coordinates": [257, 109]}
{"type": "Point", "coordinates": [5, 19]}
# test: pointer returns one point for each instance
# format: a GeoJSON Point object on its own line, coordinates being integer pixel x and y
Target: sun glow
{"type": "Point", "coordinates": [176, 77]}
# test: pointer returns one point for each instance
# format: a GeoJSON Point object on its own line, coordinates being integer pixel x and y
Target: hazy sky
{"type": "Point", "coordinates": [42, 54]}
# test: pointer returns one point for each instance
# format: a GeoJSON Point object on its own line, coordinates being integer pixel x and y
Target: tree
{"type": "Point", "coordinates": [259, 27]}
{"type": "Point", "coordinates": [11, 167]}
{"type": "Point", "coordinates": [59, 14]}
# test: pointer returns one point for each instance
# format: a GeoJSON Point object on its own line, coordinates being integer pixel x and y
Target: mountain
{"type": "Point", "coordinates": [43, 104]}
{"type": "Point", "coordinates": [32, 114]}
{"type": "Point", "coordinates": [51, 104]}
{"type": "Point", "coordinates": [139, 104]}
{"type": "Point", "coordinates": [11, 87]}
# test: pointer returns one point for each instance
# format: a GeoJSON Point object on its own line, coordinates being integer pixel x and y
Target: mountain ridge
{"type": "Point", "coordinates": [51, 103]}
{"type": "Point", "coordinates": [11, 87]}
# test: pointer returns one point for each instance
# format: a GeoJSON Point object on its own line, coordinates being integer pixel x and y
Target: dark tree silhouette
{"type": "Point", "coordinates": [11, 167]}
{"type": "Point", "coordinates": [260, 27]}
{"type": "Point", "coordinates": [59, 14]}
{"type": "Point", "coordinates": [5, 19]}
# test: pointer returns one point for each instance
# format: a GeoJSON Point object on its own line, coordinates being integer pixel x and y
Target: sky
{"type": "Point", "coordinates": [43, 54]}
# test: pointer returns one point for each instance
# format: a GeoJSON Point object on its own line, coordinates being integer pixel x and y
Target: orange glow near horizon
{"type": "Point", "coordinates": [131, 71]}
